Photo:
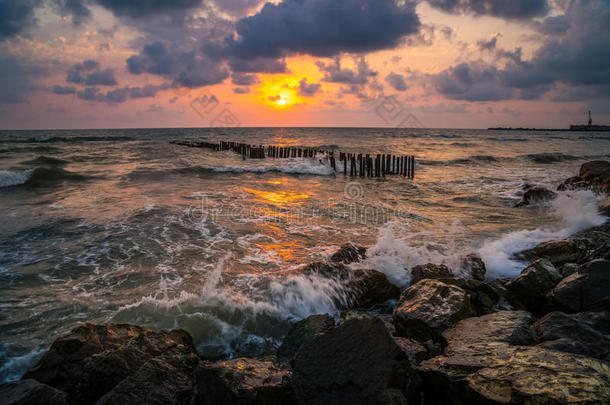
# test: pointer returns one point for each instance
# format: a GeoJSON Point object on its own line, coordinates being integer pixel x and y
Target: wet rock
{"type": "Point", "coordinates": [31, 392]}
{"type": "Point", "coordinates": [302, 332]}
{"type": "Point", "coordinates": [498, 373]}
{"type": "Point", "coordinates": [365, 288]}
{"type": "Point", "coordinates": [568, 269]}
{"type": "Point", "coordinates": [536, 195]}
{"type": "Point", "coordinates": [92, 360]}
{"type": "Point", "coordinates": [573, 183]}
{"type": "Point", "coordinates": [559, 331]}
{"type": "Point", "coordinates": [429, 307]}
{"type": "Point", "coordinates": [599, 321]}
{"type": "Point", "coordinates": [483, 298]}
{"type": "Point", "coordinates": [531, 286]}
{"type": "Point", "coordinates": [511, 327]}
{"type": "Point", "coordinates": [604, 206]}
{"type": "Point", "coordinates": [429, 271]}
{"type": "Point", "coordinates": [586, 290]}
{"type": "Point", "coordinates": [596, 173]}
{"type": "Point", "coordinates": [357, 362]}
{"type": "Point", "coordinates": [243, 381]}
{"type": "Point", "coordinates": [558, 252]}
{"type": "Point", "coordinates": [474, 267]}
{"type": "Point", "coordinates": [349, 253]}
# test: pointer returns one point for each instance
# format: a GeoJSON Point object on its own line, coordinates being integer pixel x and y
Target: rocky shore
{"type": "Point", "coordinates": [542, 337]}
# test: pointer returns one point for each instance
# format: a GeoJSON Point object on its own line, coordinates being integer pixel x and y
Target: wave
{"type": "Point", "coordinates": [548, 157]}
{"type": "Point", "coordinates": [305, 167]}
{"type": "Point", "coordinates": [51, 139]}
{"type": "Point", "coordinates": [47, 161]}
{"type": "Point", "coordinates": [577, 211]}
{"type": "Point", "coordinates": [38, 176]}
{"type": "Point", "coordinates": [505, 139]}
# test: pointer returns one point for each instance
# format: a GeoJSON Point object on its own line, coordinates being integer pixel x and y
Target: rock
{"type": "Point", "coordinates": [429, 271]}
{"type": "Point", "coordinates": [498, 373]}
{"type": "Point", "coordinates": [599, 321]}
{"type": "Point", "coordinates": [531, 286]}
{"type": "Point", "coordinates": [92, 360]}
{"type": "Point", "coordinates": [365, 288]}
{"type": "Point", "coordinates": [559, 331]}
{"type": "Point", "coordinates": [536, 195]}
{"type": "Point", "coordinates": [357, 362]}
{"type": "Point", "coordinates": [511, 327]}
{"type": "Point", "coordinates": [483, 298]}
{"type": "Point", "coordinates": [31, 392]}
{"type": "Point", "coordinates": [596, 173]}
{"type": "Point", "coordinates": [302, 332]}
{"type": "Point", "coordinates": [568, 269]}
{"type": "Point", "coordinates": [429, 307]}
{"type": "Point", "coordinates": [349, 253]}
{"type": "Point", "coordinates": [586, 290]}
{"type": "Point", "coordinates": [573, 183]}
{"type": "Point", "coordinates": [604, 206]}
{"type": "Point", "coordinates": [243, 381]}
{"type": "Point", "coordinates": [474, 266]}
{"type": "Point", "coordinates": [558, 252]}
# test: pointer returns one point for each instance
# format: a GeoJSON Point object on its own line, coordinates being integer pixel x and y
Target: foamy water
{"type": "Point", "coordinates": [121, 226]}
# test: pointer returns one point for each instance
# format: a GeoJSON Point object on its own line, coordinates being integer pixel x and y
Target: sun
{"type": "Point", "coordinates": [281, 92]}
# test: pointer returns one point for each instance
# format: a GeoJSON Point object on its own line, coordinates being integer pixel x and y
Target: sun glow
{"type": "Point", "coordinates": [281, 93]}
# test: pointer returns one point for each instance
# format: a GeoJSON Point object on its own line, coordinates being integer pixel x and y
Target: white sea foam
{"type": "Point", "coordinates": [290, 166]}
{"type": "Point", "coordinates": [10, 178]}
{"type": "Point", "coordinates": [577, 211]}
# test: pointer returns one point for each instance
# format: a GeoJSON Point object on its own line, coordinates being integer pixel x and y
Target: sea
{"type": "Point", "coordinates": [122, 226]}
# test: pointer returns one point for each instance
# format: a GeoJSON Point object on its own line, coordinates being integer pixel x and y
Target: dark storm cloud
{"type": "Point", "coordinates": [577, 58]}
{"type": "Point", "coordinates": [322, 28]}
{"type": "Point", "coordinates": [16, 15]}
{"type": "Point", "coordinates": [186, 69]}
{"type": "Point", "coordinates": [75, 8]}
{"type": "Point", "coordinates": [334, 73]}
{"type": "Point", "coordinates": [145, 8]}
{"type": "Point", "coordinates": [118, 95]}
{"type": "Point", "coordinates": [63, 90]}
{"type": "Point", "coordinates": [511, 9]}
{"type": "Point", "coordinates": [242, 79]}
{"type": "Point", "coordinates": [90, 74]}
{"type": "Point", "coordinates": [397, 81]}
{"type": "Point", "coordinates": [17, 79]}
{"type": "Point", "coordinates": [308, 89]}
{"type": "Point", "coordinates": [257, 65]}
{"type": "Point", "coordinates": [488, 44]}
{"type": "Point", "coordinates": [241, 90]}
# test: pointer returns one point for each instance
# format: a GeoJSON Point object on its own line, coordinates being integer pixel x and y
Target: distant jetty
{"type": "Point", "coordinates": [573, 128]}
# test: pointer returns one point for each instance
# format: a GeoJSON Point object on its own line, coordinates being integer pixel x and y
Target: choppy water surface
{"type": "Point", "coordinates": [121, 226]}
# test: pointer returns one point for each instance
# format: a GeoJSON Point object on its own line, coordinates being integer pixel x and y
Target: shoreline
{"type": "Point", "coordinates": [533, 337]}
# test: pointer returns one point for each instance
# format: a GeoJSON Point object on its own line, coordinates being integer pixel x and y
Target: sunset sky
{"type": "Point", "coordinates": [374, 63]}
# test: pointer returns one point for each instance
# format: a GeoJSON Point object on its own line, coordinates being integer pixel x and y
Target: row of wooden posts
{"type": "Point", "coordinates": [356, 165]}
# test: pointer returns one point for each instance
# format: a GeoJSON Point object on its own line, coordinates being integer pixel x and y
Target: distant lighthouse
{"type": "Point", "coordinates": [590, 119]}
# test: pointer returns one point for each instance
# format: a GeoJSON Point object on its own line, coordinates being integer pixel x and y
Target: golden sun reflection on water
{"type": "Point", "coordinates": [278, 198]}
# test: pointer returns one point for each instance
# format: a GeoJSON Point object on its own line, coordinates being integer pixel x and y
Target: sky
{"type": "Point", "coordinates": [360, 63]}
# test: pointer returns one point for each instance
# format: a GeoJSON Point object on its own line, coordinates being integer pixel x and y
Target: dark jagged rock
{"type": "Point", "coordinates": [573, 183]}
{"type": "Point", "coordinates": [112, 359]}
{"type": "Point", "coordinates": [429, 271]}
{"type": "Point", "coordinates": [586, 290]}
{"type": "Point", "coordinates": [243, 381]}
{"type": "Point", "coordinates": [531, 286]}
{"type": "Point", "coordinates": [568, 269]}
{"type": "Point", "coordinates": [558, 252]}
{"type": "Point", "coordinates": [302, 332]}
{"type": "Point", "coordinates": [474, 266]}
{"type": "Point", "coordinates": [365, 288]}
{"type": "Point", "coordinates": [559, 331]}
{"type": "Point", "coordinates": [536, 195]}
{"type": "Point", "coordinates": [429, 307]}
{"type": "Point", "coordinates": [498, 373]}
{"type": "Point", "coordinates": [349, 253]}
{"type": "Point", "coordinates": [511, 327]}
{"type": "Point", "coordinates": [31, 392]}
{"type": "Point", "coordinates": [483, 298]}
{"type": "Point", "coordinates": [604, 206]}
{"type": "Point", "coordinates": [599, 321]}
{"type": "Point", "coordinates": [596, 173]}
{"type": "Point", "coordinates": [357, 362]}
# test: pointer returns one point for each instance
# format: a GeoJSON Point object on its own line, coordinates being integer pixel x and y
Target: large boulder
{"type": "Point", "coordinates": [536, 195]}
{"type": "Point", "coordinates": [599, 321]}
{"type": "Point", "coordinates": [531, 286]}
{"type": "Point", "coordinates": [498, 373]}
{"type": "Point", "coordinates": [474, 267]}
{"type": "Point", "coordinates": [429, 271]}
{"type": "Point", "coordinates": [120, 362]}
{"type": "Point", "coordinates": [303, 331]}
{"type": "Point", "coordinates": [31, 392]}
{"type": "Point", "coordinates": [349, 253]}
{"type": "Point", "coordinates": [597, 173]}
{"type": "Point", "coordinates": [604, 206]}
{"type": "Point", "coordinates": [586, 290]}
{"type": "Point", "coordinates": [429, 307]}
{"type": "Point", "coordinates": [558, 252]}
{"type": "Point", "coordinates": [559, 331]}
{"type": "Point", "coordinates": [243, 381]}
{"type": "Point", "coordinates": [511, 327]}
{"type": "Point", "coordinates": [357, 362]}
{"type": "Point", "coordinates": [365, 288]}
{"type": "Point", "coordinates": [483, 298]}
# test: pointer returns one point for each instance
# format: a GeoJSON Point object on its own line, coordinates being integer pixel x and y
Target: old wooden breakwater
{"type": "Point", "coordinates": [354, 165]}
